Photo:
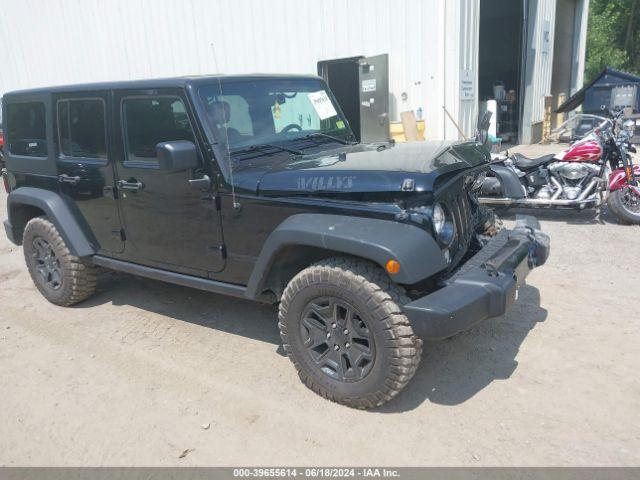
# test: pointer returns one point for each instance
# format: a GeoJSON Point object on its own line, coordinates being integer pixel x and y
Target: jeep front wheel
{"type": "Point", "coordinates": [342, 327]}
{"type": "Point", "coordinates": [61, 278]}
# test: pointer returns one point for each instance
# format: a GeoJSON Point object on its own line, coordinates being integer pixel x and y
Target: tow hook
{"type": "Point", "coordinates": [491, 269]}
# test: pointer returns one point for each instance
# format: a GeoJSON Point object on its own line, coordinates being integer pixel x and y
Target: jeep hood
{"type": "Point", "coordinates": [360, 168]}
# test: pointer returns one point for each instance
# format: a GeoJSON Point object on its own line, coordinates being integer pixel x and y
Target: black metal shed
{"type": "Point", "coordinates": [612, 88]}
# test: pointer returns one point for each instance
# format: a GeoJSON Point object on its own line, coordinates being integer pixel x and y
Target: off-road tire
{"type": "Point", "coordinates": [78, 280]}
{"type": "Point", "coordinates": [624, 216]}
{"type": "Point", "coordinates": [378, 301]}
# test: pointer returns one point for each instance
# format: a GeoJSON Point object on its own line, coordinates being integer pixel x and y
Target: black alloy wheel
{"type": "Point", "coordinates": [337, 339]}
{"type": "Point", "coordinates": [61, 277]}
{"type": "Point", "coordinates": [342, 325]}
{"type": "Point", "coordinates": [46, 263]}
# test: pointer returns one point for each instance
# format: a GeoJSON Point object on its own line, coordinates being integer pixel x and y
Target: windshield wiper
{"type": "Point", "coordinates": [262, 146]}
{"type": "Point", "coordinates": [326, 135]}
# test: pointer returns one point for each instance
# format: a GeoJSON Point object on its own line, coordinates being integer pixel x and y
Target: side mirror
{"type": "Point", "coordinates": [482, 134]}
{"type": "Point", "coordinates": [482, 137]}
{"type": "Point", "coordinates": [484, 122]}
{"type": "Point", "coordinates": [177, 156]}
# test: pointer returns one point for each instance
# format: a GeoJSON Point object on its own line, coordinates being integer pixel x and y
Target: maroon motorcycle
{"type": "Point", "coordinates": [593, 170]}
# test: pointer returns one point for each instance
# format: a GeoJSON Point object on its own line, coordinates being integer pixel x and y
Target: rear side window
{"type": "Point", "coordinates": [81, 127]}
{"type": "Point", "coordinates": [26, 129]}
{"type": "Point", "coordinates": [149, 121]}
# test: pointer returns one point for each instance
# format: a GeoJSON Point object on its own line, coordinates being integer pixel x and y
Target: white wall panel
{"type": "Point", "coordinates": [468, 53]}
{"type": "Point", "coordinates": [460, 52]}
{"type": "Point", "coordinates": [44, 42]}
{"type": "Point", "coordinates": [539, 63]}
{"type": "Point", "coordinates": [579, 44]}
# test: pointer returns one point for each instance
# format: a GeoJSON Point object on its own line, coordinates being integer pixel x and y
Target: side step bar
{"type": "Point", "coordinates": [171, 277]}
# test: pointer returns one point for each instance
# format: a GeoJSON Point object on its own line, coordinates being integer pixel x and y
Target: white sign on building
{"type": "Point", "coordinates": [467, 85]}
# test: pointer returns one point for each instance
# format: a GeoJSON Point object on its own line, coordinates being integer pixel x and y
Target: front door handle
{"type": "Point", "coordinates": [64, 178]}
{"type": "Point", "coordinates": [203, 183]}
{"type": "Point", "coordinates": [131, 184]}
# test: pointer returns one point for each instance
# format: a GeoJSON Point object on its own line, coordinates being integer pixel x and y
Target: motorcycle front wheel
{"type": "Point", "coordinates": [625, 206]}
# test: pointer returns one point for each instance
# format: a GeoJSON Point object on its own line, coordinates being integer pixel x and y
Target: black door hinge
{"type": "Point", "coordinates": [110, 192]}
{"type": "Point", "coordinates": [123, 236]}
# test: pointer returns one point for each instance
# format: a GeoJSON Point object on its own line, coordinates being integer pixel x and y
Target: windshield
{"type": "Point", "coordinates": [578, 127]}
{"type": "Point", "coordinates": [254, 113]}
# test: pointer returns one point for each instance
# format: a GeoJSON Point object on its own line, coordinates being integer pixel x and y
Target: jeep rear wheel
{"type": "Point", "coordinates": [343, 328]}
{"type": "Point", "coordinates": [61, 278]}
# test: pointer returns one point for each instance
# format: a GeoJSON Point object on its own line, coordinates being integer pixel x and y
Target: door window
{"type": "Point", "coordinates": [149, 121]}
{"type": "Point", "coordinates": [81, 128]}
{"type": "Point", "coordinates": [26, 129]}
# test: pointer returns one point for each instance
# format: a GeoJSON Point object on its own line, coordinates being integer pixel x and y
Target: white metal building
{"type": "Point", "coordinates": [433, 46]}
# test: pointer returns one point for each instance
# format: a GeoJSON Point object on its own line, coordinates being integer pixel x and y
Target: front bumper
{"type": "Point", "coordinates": [485, 286]}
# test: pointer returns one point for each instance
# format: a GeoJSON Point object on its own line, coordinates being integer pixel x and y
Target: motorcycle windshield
{"type": "Point", "coordinates": [578, 127]}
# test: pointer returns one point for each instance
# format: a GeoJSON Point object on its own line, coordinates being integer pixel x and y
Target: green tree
{"type": "Point", "coordinates": [613, 36]}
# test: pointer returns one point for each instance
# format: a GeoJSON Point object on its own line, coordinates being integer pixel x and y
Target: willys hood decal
{"type": "Point", "coordinates": [362, 168]}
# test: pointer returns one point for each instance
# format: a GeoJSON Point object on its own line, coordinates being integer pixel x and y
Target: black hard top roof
{"type": "Point", "coordinates": [173, 82]}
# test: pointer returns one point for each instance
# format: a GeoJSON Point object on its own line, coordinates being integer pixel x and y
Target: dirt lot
{"type": "Point", "coordinates": [131, 376]}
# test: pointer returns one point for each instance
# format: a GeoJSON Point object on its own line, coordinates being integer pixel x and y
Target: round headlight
{"type": "Point", "coordinates": [443, 225]}
{"type": "Point", "coordinates": [629, 126]}
{"type": "Point", "coordinates": [439, 218]}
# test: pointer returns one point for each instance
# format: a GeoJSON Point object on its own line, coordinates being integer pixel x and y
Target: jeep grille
{"type": "Point", "coordinates": [463, 219]}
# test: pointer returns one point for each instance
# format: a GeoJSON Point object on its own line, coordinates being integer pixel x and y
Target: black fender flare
{"type": "Point", "coordinates": [511, 186]}
{"type": "Point", "coordinates": [58, 212]}
{"type": "Point", "coordinates": [373, 239]}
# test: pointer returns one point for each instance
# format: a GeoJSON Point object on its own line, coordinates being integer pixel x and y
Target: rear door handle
{"type": "Point", "coordinates": [131, 184]}
{"type": "Point", "coordinates": [64, 178]}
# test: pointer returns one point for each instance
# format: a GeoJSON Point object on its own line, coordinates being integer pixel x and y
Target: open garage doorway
{"type": "Point", "coordinates": [568, 53]}
{"type": "Point", "coordinates": [500, 66]}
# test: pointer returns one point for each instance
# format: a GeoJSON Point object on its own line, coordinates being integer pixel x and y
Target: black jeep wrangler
{"type": "Point", "coordinates": [253, 186]}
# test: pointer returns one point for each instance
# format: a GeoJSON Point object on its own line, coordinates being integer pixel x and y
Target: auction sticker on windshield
{"type": "Point", "coordinates": [322, 104]}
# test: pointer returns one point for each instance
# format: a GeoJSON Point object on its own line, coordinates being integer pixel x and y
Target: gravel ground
{"type": "Point", "coordinates": [144, 371]}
